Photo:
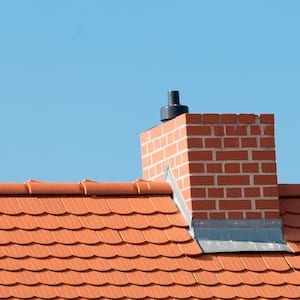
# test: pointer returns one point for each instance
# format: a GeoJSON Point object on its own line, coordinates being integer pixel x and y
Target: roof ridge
{"type": "Point", "coordinates": [86, 188]}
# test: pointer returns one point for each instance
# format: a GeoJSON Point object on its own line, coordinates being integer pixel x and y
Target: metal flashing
{"type": "Point", "coordinates": [210, 246]}
{"type": "Point", "coordinates": [239, 235]}
{"type": "Point", "coordinates": [177, 197]}
{"type": "Point", "coordinates": [230, 235]}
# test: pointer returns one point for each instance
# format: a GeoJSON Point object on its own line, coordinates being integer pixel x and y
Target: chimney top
{"type": "Point", "coordinates": [174, 108]}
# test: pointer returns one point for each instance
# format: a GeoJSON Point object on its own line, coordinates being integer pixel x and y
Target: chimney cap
{"type": "Point", "coordinates": [174, 108]}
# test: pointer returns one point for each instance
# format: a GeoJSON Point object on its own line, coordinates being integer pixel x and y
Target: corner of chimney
{"type": "Point", "coordinates": [223, 171]}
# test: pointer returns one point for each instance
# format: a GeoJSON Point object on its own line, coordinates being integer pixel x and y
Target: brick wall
{"type": "Point", "coordinates": [224, 164]}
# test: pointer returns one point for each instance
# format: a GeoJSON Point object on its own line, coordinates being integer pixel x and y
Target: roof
{"type": "Point", "coordinates": [95, 240]}
{"type": "Point", "coordinates": [290, 214]}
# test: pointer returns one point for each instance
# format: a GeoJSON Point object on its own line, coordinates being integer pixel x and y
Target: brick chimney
{"type": "Point", "coordinates": [223, 169]}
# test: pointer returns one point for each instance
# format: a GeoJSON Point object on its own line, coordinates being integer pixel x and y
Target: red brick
{"type": "Point", "coordinates": [270, 191]}
{"type": "Point", "coordinates": [267, 204]}
{"type": "Point", "coordinates": [263, 155]}
{"type": "Point", "coordinates": [232, 168]}
{"type": "Point", "coordinates": [192, 119]}
{"type": "Point", "coordinates": [200, 215]}
{"type": "Point", "coordinates": [262, 130]}
{"type": "Point", "coordinates": [194, 142]}
{"type": "Point", "coordinates": [170, 150]}
{"type": "Point", "coordinates": [232, 155]}
{"type": "Point", "coordinates": [219, 130]}
{"type": "Point", "coordinates": [213, 143]}
{"type": "Point", "coordinates": [204, 205]}
{"type": "Point", "coordinates": [145, 137]}
{"type": "Point", "coordinates": [249, 142]}
{"type": "Point", "coordinates": [235, 215]}
{"type": "Point", "coordinates": [211, 118]}
{"type": "Point", "coordinates": [269, 167]}
{"type": "Point", "coordinates": [265, 179]}
{"type": "Point", "coordinates": [169, 126]}
{"type": "Point", "coordinates": [160, 142]}
{"type": "Point", "coordinates": [195, 168]}
{"type": "Point", "coordinates": [234, 204]}
{"type": "Point", "coordinates": [215, 192]}
{"type": "Point", "coordinates": [151, 147]}
{"type": "Point", "coordinates": [253, 215]}
{"type": "Point", "coordinates": [240, 130]}
{"type": "Point", "coordinates": [267, 142]}
{"type": "Point", "coordinates": [198, 192]}
{"type": "Point", "coordinates": [201, 180]}
{"type": "Point", "coordinates": [217, 216]}
{"type": "Point", "coordinates": [228, 118]}
{"type": "Point", "coordinates": [198, 130]}
{"type": "Point", "coordinates": [233, 179]}
{"type": "Point", "coordinates": [247, 118]}
{"type": "Point", "coordinates": [158, 156]}
{"type": "Point", "coordinates": [156, 132]}
{"type": "Point", "coordinates": [252, 192]}
{"type": "Point", "coordinates": [231, 142]}
{"type": "Point", "coordinates": [250, 167]}
{"type": "Point", "coordinates": [214, 168]}
{"type": "Point", "coordinates": [266, 118]}
{"type": "Point", "coordinates": [199, 155]}
{"type": "Point", "coordinates": [233, 192]}
{"type": "Point", "coordinates": [272, 215]}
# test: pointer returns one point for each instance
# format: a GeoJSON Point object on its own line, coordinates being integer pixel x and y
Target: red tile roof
{"type": "Point", "coordinates": [290, 214]}
{"type": "Point", "coordinates": [126, 241]}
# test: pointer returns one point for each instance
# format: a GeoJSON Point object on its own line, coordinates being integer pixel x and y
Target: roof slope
{"type": "Point", "coordinates": [121, 241]}
{"type": "Point", "coordinates": [290, 214]}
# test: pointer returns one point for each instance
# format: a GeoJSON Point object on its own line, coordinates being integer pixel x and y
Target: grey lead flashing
{"type": "Point", "coordinates": [239, 235]}
{"type": "Point", "coordinates": [256, 230]}
{"type": "Point", "coordinates": [215, 236]}
{"type": "Point", "coordinates": [177, 197]}
{"type": "Point", "coordinates": [241, 246]}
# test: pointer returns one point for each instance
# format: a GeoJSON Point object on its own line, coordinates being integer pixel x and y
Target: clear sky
{"type": "Point", "coordinates": [79, 80]}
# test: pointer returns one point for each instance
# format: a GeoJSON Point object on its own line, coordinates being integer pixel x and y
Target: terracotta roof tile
{"type": "Point", "coordinates": [120, 206]}
{"type": "Point", "coordinates": [276, 263]}
{"type": "Point", "coordinates": [231, 263]}
{"type": "Point", "coordinates": [91, 221]}
{"type": "Point", "coordinates": [250, 278]}
{"type": "Point", "coordinates": [164, 205]}
{"type": "Point", "coordinates": [290, 214]}
{"type": "Point", "coordinates": [163, 263]}
{"type": "Point", "coordinates": [132, 236]}
{"type": "Point", "coordinates": [268, 291]}
{"type": "Point", "coordinates": [114, 221]}
{"type": "Point", "coordinates": [272, 278]}
{"type": "Point", "coordinates": [223, 292]}
{"type": "Point", "coordinates": [126, 250]}
{"type": "Point", "coordinates": [147, 250]}
{"type": "Point", "coordinates": [136, 221]}
{"type": "Point", "coordinates": [201, 292]}
{"type": "Point", "coordinates": [254, 262]}
{"type": "Point", "coordinates": [109, 236]}
{"type": "Point", "coordinates": [181, 277]}
{"type": "Point", "coordinates": [187, 263]}
{"type": "Point", "coordinates": [210, 263]}
{"type": "Point", "coordinates": [206, 278]}
{"type": "Point", "coordinates": [245, 292]}
{"type": "Point", "coordinates": [158, 220]}
{"type": "Point", "coordinates": [137, 277]}
{"type": "Point", "coordinates": [155, 236]}
{"type": "Point", "coordinates": [10, 206]}
{"type": "Point", "coordinates": [228, 278]}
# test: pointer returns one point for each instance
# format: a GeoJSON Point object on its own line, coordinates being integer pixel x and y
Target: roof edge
{"type": "Point", "coordinates": [289, 190]}
{"type": "Point", "coordinates": [87, 188]}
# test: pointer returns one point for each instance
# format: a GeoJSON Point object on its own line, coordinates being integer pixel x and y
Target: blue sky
{"type": "Point", "coordinates": [81, 79]}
